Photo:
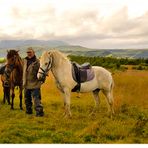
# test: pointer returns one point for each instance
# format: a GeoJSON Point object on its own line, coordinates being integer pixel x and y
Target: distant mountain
{"type": "Point", "coordinates": [40, 45]}
{"type": "Point", "coordinates": [20, 43]}
{"type": "Point", "coordinates": [72, 48]}
{"type": "Point", "coordinates": [118, 53]}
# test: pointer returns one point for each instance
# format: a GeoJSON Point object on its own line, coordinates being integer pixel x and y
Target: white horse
{"type": "Point", "coordinates": [61, 68]}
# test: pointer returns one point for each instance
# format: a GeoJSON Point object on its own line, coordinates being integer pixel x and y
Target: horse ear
{"type": "Point", "coordinates": [7, 51]}
{"type": "Point", "coordinates": [17, 51]}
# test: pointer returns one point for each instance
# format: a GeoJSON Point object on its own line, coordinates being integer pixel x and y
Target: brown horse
{"type": "Point", "coordinates": [16, 76]}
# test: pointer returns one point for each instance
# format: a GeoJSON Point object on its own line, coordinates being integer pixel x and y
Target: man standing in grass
{"type": "Point", "coordinates": [31, 83]}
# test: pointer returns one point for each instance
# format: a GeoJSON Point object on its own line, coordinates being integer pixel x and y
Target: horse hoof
{"type": "Point", "coordinates": [3, 102]}
{"type": "Point", "coordinates": [21, 108]}
{"type": "Point", "coordinates": [110, 115]}
{"type": "Point", "coordinates": [92, 114]}
{"type": "Point", "coordinates": [65, 115]}
{"type": "Point", "coordinates": [12, 108]}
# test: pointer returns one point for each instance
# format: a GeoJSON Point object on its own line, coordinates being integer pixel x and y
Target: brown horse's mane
{"type": "Point", "coordinates": [19, 64]}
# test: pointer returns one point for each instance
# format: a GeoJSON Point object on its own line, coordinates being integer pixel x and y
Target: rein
{"type": "Point", "coordinates": [44, 72]}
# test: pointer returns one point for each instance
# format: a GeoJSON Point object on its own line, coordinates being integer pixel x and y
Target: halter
{"type": "Point", "coordinates": [44, 72]}
{"type": "Point", "coordinates": [12, 66]}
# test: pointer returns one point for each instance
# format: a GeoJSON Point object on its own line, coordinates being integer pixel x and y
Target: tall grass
{"type": "Point", "coordinates": [129, 125]}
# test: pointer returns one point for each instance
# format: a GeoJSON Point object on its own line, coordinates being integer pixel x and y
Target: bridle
{"type": "Point", "coordinates": [13, 65]}
{"type": "Point", "coordinates": [45, 72]}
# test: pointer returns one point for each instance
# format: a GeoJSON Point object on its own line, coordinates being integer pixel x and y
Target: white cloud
{"type": "Point", "coordinates": [96, 24]}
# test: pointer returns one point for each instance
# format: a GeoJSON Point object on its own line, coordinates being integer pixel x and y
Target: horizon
{"type": "Point", "coordinates": [115, 24]}
{"type": "Point", "coordinates": [146, 48]}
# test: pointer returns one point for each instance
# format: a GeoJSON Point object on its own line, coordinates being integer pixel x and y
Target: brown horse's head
{"type": "Point", "coordinates": [13, 57]}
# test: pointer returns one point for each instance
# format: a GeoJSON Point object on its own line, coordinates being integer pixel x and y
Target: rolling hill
{"type": "Point", "coordinates": [41, 45]}
{"type": "Point", "coordinates": [20, 43]}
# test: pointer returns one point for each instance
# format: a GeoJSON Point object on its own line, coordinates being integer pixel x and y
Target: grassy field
{"type": "Point", "coordinates": [129, 125]}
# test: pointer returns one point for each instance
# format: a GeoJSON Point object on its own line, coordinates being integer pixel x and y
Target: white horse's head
{"type": "Point", "coordinates": [45, 65]}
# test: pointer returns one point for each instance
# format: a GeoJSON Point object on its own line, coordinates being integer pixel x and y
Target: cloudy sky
{"type": "Point", "coordinates": [89, 23]}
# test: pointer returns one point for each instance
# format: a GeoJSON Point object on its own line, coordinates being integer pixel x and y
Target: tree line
{"type": "Point", "coordinates": [111, 62]}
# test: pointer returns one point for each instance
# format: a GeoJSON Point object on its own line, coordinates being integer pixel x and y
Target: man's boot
{"type": "Point", "coordinates": [28, 110]}
{"type": "Point", "coordinates": [39, 111]}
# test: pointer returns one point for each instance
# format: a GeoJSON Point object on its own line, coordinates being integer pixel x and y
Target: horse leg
{"type": "Point", "coordinates": [12, 96]}
{"type": "Point", "coordinates": [20, 96]}
{"type": "Point", "coordinates": [4, 96]}
{"type": "Point", "coordinates": [67, 94]}
{"type": "Point", "coordinates": [96, 99]}
{"type": "Point", "coordinates": [7, 95]}
{"type": "Point", "coordinates": [109, 97]}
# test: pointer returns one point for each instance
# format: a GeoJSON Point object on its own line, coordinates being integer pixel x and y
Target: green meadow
{"type": "Point", "coordinates": [129, 125]}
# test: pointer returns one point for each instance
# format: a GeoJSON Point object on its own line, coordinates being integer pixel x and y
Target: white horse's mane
{"type": "Point", "coordinates": [56, 52]}
{"type": "Point", "coordinates": [59, 56]}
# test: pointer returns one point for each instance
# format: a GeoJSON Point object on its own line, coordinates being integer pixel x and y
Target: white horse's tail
{"type": "Point", "coordinates": [112, 84]}
{"type": "Point", "coordinates": [111, 92]}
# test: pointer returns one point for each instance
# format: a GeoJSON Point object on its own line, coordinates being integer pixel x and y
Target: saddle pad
{"type": "Point", "coordinates": [82, 75]}
{"type": "Point", "coordinates": [86, 75]}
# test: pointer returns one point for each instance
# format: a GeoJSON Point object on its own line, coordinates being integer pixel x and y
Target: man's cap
{"type": "Point", "coordinates": [30, 49]}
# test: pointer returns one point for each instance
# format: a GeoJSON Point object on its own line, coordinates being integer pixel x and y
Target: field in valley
{"type": "Point", "coordinates": [129, 125]}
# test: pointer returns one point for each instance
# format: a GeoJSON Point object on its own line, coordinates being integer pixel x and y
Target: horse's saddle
{"type": "Point", "coordinates": [81, 73]}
